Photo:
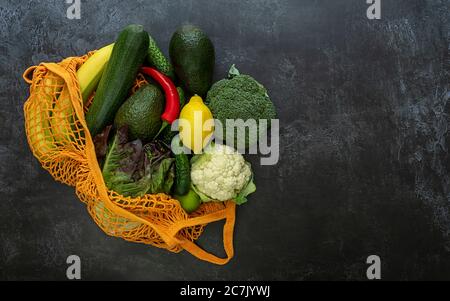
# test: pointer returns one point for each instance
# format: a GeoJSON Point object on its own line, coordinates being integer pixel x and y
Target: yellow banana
{"type": "Point", "coordinates": [91, 71]}
{"type": "Point", "coordinates": [88, 75]}
{"type": "Point", "coordinates": [40, 135]}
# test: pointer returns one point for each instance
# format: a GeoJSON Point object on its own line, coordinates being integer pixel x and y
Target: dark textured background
{"type": "Point", "coordinates": [364, 108]}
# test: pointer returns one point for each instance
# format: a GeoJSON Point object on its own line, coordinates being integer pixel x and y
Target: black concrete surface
{"type": "Point", "coordinates": [364, 109]}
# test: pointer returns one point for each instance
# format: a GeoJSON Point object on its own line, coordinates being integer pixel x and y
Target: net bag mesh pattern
{"type": "Point", "coordinates": [58, 137]}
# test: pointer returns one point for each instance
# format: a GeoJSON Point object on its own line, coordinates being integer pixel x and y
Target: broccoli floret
{"type": "Point", "coordinates": [240, 97]}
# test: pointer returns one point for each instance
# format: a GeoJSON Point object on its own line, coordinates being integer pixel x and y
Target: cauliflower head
{"type": "Point", "coordinates": [222, 174]}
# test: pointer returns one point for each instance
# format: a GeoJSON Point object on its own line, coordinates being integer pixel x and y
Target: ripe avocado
{"type": "Point", "coordinates": [142, 113]}
{"type": "Point", "coordinates": [193, 57]}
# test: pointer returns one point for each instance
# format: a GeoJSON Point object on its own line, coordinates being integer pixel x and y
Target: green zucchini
{"type": "Point", "coordinates": [127, 57]}
{"type": "Point", "coordinates": [157, 59]}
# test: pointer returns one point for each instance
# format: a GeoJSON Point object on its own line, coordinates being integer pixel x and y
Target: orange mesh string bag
{"type": "Point", "coordinates": [58, 137]}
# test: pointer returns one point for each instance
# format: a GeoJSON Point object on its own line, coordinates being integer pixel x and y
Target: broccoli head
{"type": "Point", "coordinates": [240, 97]}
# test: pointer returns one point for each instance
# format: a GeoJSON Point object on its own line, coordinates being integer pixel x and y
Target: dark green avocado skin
{"type": "Point", "coordinates": [142, 113]}
{"type": "Point", "coordinates": [193, 57]}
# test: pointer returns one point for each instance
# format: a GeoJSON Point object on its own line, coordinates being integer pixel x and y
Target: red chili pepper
{"type": "Point", "coordinates": [172, 110]}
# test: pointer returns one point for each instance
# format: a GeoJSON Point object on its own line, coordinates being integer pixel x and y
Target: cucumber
{"type": "Point", "coordinates": [157, 59]}
{"type": "Point", "coordinates": [127, 57]}
{"type": "Point", "coordinates": [183, 174]}
{"type": "Point", "coordinates": [182, 97]}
